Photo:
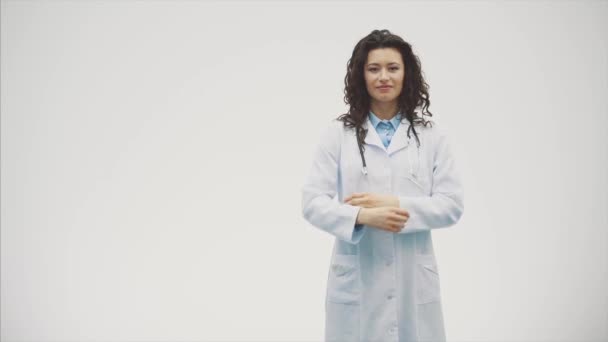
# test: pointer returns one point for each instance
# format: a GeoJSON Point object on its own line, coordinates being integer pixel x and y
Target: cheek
{"type": "Point", "coordinates": [400, 78]}
{"type": "Point", "coordinates": [369, 81]}
{"type": "Point", "coordinates": [399, 84]}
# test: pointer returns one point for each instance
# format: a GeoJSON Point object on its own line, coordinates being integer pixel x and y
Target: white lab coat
{"type": "Point", "coordinates": [383, 286]}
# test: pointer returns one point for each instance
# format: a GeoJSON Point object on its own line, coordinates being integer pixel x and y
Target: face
{"type": "Point", "coordinates": [384, 73]}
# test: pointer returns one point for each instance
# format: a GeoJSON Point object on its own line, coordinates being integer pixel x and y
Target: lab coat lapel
{"type": "Point", "coordinates": [372, 137]}
{"type": "Point", "coordinates": [400, 139]}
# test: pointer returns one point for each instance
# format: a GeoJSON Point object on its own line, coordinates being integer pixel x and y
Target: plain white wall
{"type": "Point", "coordinates": [153, 154]}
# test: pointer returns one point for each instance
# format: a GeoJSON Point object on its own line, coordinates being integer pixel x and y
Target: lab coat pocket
{"type": "Point", "coordinates": [428, 287]}
{"type": "Point", "coordinates": [341, 322]}
{"type": "Point", "coordinates": [343, 281]}
{"type": "Point", "coordinates": [342, 305]}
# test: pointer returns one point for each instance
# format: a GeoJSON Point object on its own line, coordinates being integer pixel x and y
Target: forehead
{"type": "Point", "coordinates": [384, 56]}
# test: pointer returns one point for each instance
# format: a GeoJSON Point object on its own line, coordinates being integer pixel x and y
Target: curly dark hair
{"type": "Point", "coordinates": [414, 93]}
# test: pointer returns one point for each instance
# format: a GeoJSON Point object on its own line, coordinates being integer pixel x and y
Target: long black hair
{"type": "Point", "coordinates": [414, 93]}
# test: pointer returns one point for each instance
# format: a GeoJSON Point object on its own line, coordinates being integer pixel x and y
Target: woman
{"type": "Point", "coordinates": [382, 177]}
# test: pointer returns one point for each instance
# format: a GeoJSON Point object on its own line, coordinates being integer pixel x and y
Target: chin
{"type": "Point", "coordinates": [385, 98]}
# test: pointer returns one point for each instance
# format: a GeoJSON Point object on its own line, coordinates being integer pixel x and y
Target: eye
{"type": "Point", "coordinates": [395, 68]}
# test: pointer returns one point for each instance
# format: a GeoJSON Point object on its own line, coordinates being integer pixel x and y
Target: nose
{"type": "Point", "coordinates": [383, 74]}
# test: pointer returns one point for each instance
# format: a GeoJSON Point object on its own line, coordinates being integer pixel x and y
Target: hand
{"type": "Point", "coordinates": [369, 200]}
{"type": "Point", "coordinates": [391, 219]}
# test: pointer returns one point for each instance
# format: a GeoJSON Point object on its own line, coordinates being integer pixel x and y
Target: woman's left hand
{"type": "Point", "coordinates": [370, 200]}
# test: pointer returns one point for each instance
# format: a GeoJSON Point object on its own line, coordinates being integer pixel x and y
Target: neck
{"type": "Point", "coordinates": [384, 110]}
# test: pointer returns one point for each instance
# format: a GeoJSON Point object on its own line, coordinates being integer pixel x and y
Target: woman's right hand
{"type": "Point", "coordinates": [391, 219]}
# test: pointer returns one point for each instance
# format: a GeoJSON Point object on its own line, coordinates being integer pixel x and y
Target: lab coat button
{"type": "Point", "coordinates": [389, 262]}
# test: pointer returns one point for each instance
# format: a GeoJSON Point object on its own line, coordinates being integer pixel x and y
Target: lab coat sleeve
{"type": "Point", "coordinates": [445, 205]}
{"type": "Point", "coordinates": [320, 207]}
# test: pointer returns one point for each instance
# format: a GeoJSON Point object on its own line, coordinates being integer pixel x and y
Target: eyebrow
{"type": "Point", "coordinates": [379, 64]}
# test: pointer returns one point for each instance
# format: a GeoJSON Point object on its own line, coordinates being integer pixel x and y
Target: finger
{"type": "Point", "coordinates": [387, 227]}
{"type": "Point", "coordinates": [397, 219]}
{"type": "Point", "coordinates": [359, 203]}
{"type": "Point", "coordinates": [364, 204]}
{"type": "Point", "coordinates": [395, 227]}
{"type": "Point", "coordinates": [401, 212]}
{"type": "Point", "coordinates": [398, 225]}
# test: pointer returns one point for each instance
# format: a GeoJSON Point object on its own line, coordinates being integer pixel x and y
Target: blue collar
{"type": "Point", "coordinates": [376, 120]}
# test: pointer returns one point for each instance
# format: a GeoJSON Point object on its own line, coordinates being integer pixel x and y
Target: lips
{"type": "Point", "coordinates": [384, 87]}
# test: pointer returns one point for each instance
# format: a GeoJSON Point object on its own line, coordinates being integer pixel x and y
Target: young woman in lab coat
{"type": "Point", "coordinates": [381, 179]}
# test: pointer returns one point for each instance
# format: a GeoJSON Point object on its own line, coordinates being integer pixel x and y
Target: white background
{"type": "Point", "coordinates": [153, 154]}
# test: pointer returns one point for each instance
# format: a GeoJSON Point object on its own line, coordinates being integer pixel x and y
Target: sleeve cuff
{"type": "Point", "coordinates": [358, 230]}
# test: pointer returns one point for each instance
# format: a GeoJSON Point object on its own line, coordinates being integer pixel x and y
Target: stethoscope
{"type": "Point", "coordinates": [414, 175]}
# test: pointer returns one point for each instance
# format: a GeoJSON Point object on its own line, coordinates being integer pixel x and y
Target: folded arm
{"type": "Point", "coordinates": [445, 205]}
{"type": "Point", "coordinates": [320, 206]}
